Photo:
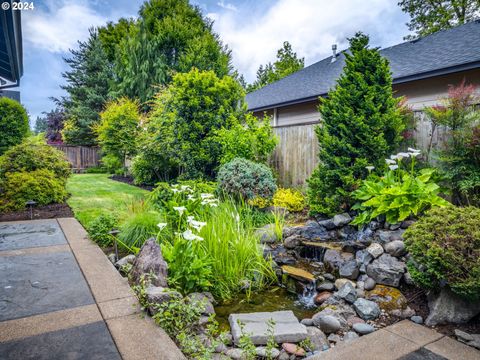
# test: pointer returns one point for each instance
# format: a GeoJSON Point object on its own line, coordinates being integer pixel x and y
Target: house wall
{"type": "Point", "coordinates": [296, 154]}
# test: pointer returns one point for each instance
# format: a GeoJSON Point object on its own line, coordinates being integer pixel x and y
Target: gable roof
{"type": "Point", "coordinates": [440, 53]}
{"type": "Point", "coordinates": [11, 56]}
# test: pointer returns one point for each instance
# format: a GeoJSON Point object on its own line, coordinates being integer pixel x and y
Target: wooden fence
{"type": "Point", "coordinates": [296, 155]}
{"type": "Point", "coordinates": [81, 157]}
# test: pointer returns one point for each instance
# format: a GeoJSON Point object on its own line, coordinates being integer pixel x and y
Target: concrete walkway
{"type": "Point", "coordinates": [404, 340]}
{"type": "Point", "coordinates": [61, 298]}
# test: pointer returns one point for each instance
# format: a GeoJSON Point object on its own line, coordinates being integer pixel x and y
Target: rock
{"type": "Point", "coordinates": [363, 329]}
{"type": "Point", "coordinates": [263, 353]}
{"type": "Point", "coordinates": [267, 234]}
{"type": "Point", "coordinates": [157, 295]}
{"type": "Point", "coordinates": [327, 224]}
{"type": "Point", "coordinates": [284, 355]}
{"type": "Point", "coordinates": [341, 219]}
{"type": "Point", "coordinates": [386, 270]}
{"type": "Point", "coordinates": [292, 241]}
{"type": "Point", "coordinates": [354, 320]}
{"type": "Point", "coordinates": [375, 250]}
{"type": "Point", "coordinates": [349, 336]}
{"type": "Point", "coordinates": [347, 292]}
{"type": "Point", "coordinates": [402, 313]}
{"type": "Point", "coordinates": [385, 236]}
{"type": "Point", "coordinates": [112, 258]}
{"type": "Point", "coordinates": [365, 236]}
{"type": "Point", "coordinates": [349, 270]}
{"type": "Point", "coordinates": [235, 354]}
{"type": "Point", "coordinates": [340, 282]}
{"type": "Point", "coordinates": [374, 225]}
{"type": "Point", "coordinates": [335, 258]}
{"type": "Point", "coordinates": [307, 322]}
{"type": "Point", "coordinates": [406, 224]}
{"type": "Point", "coordinates": [463, 336]}
{"type": "Point", "coordinates": [321, 297]}
{"type": "Point", "coordinates": [312, 231]}
{"type": "Point", "coordinates": [334, 338]}
{"type": "Point", "coordinates": [326, 286]}
{"type": "Point", "coordinates": [327, 323]}
{"type": "Point", "coordinates": [360, 293]}
{"type": "Point", "coordinates": [447, 307]}
{"type": "Point", "coordinates": [129, 259]}
{"type": "Point", "coordinates": [150, 261]}
{"type": "Point", "coordinates": [395, 248]}
{"type": "Point", "coordinates": [293, 349]}
{"type": "Point", "coordinates": [407, 278]}
{"type": "Point", "coordinates": [329, 277]}
{"type": "Point", "coordinates": [298, 273]}
{"type": "Point", "coordinates": [417, 319]}
{"type": "Point", "coordinates": [202, 301]}
{"type": "Point", "coordinates": [287, 328]}
{"type": "Point", "coordinates": [395, 226]}
{"type": "Point", "coordinates": [317, 338]}
{"type": "Point", "coordinates": [388, 298]}
{"type": "Point", "coordinates": [366, 309]}
{"type": "Point", "coordinates": [349, 233]}
{"type": "Point", "coordinates": [363, 257]}
{"type": "Point", "coordinates": [369, 284]}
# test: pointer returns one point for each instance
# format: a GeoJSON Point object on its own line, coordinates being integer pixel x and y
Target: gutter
{"type": "Point", "coordinates": [401, 80]}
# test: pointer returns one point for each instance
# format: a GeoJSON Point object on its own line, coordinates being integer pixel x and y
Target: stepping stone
{"type": "Point", "coordinates": [298, 274]}
{"type": "Point", "coordinates": [287, 327]}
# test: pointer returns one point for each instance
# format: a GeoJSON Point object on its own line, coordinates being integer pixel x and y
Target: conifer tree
{"type": "Point", "coordinates": [361, 125]}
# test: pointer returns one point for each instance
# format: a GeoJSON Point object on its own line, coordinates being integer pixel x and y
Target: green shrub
{"type": "Point", "coordinates": [254, 140]}
{"type": "Point", "coordinates": [245, 179]}
{"type": "Point", "coordinates": [445, 249]}
{"type": "Point", "coordinates": [33, 154]}
{"type": "Point", "coordinates": [399, 193]}
{"type": "Point", "coordinates": [96, 170]}
{"type": "Point", "coordinates": [13, 122]}
{"type": "Point", "coordinates": [138, 227]}
{"type": "Point", "coordinates": [40, 185]}
{"type": "Point", "coordinates": [99, 228]}
{"type": "Point", "coordinates": [112, 164]}
{"type": "Point", "coordinates": [361, 124]}
{"type": "Point", "coordinates": [291, 199]}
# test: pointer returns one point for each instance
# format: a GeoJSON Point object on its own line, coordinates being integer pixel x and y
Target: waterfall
{"type": "Point", "coordinates": [307, 297]}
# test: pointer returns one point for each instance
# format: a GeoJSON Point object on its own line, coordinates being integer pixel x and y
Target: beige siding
{"type": "Point", "coordinates": [298, 114]}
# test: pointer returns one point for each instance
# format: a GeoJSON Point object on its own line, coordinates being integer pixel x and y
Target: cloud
{"type": "Point", "coordinates": [57, 26]}
{"type": "Point", "coordinates": [227, 6]}
{"type": "Point", "coordinates": [311, 26]}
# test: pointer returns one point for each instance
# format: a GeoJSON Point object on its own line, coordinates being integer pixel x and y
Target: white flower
{"type": "Point", "coordinates": [161, 226]}
{"type": "Point", "coordinates": [393, 157]}
{"type": "Point", "coordinates": [189, 235]}
{"type": "Point", "coordinates": [190, 218]}
{"type": "Point", "coordinates": [180, 209]}
{"type": "Point", "coordinates": [412, 150]}
{"type": "Point", "coordinates": [403, 155]}
{"type": "Point", "coordinates": [191, 197]}
{"type": "Point", "coordinates": [393, 167]}
{"type": "Point", "coordinates": [390, 162]}
{"type": "Point", "coordinates": [370, 168]}
{"type": "Point", "coordinates": [213, 204]}
{"type": "Point", "coordinates": [175, 190]}
{"type": "Point", "coordinates": [197, 225]}
{"type": "Point", "coordinates": [414, 154]}
{"type": "Point", "coordinates": [206, 196]}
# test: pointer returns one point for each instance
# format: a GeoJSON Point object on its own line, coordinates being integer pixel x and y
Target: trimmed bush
{"type": "Point", "coordinates": [445, 249]}
{"type": "Point", "coordinates": [245, 179]}
{"type": "Point", "coordinates": [33, 154]}
{"type": "Point", "coordinates": [291, 199]}
{"type": "Point", "coordinates": [41, 185]}
{"type": "Point", "coordinates": [13, 122]}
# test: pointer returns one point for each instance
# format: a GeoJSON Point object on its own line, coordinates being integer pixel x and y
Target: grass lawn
{"type": "Point", "coordinates": [94, 194]}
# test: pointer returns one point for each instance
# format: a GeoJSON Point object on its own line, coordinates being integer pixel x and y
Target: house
{"type": "Point", "coordinates": [422, 71]}
{"type": "Point", "coordinates": [11, 53]}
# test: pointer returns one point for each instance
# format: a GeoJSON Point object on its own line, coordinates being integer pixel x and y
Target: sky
{"type": "Point", "coordinates": [253, 30]}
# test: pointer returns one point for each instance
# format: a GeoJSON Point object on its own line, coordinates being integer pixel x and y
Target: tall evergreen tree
{"type": "Point", "coordinates": [428, 17]}
{"type": "Point", "coordinates": [361, 125]}
{"type": "Point", "coordinates": [170, 36]}
{"type": "Point", "coordinates": [88, 85]}
{"type": "Point", "coordinates": [287, 63]}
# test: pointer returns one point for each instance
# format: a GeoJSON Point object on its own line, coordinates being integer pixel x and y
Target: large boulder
{"type": "Point", "coordinates": [335, 258]}
{"type": "Point", "coordinates": [386, 270]}
{"type": "Point", "coordinates": [149, 261]}
{"type": "Point", "coordinates": [447, 307]}
{"type": "Point", "coordinates": [347, 292]}
{"type": "Point", "coordinates": [388, 298]}
{"type": "Point", "coordinates": [395, 248]}
{"type": "Point", "coordinates": [341, 219]}
{"type": "Point", "coordinates": [385, 236]}
{"type": "Point", "coordinates": [349, 270]}
{"type": "Point", "coordinates": [366, 309]}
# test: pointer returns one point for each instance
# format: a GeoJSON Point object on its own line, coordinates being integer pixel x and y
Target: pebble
{"type": "Point", "coordinates": [293, 349]}
{"type": "Point", "coordinates": [417, 319]}
{"type": "Point", "coordinates": [320, 298]}
{"type": "Point", "coordinates": [350, 335]}
{"type": "Point", "coordinates": [326, 286]}
{"type": "Point", "coordinates": [340, 282]}
{"type": "Point", "coordinates": [375, 249]}
{"type": "Point", "coordinates": [369, 284]}
{"type": "Point", "coordinates": [363, 329]}
{"type": "Point", "coordinates": [262, 352]}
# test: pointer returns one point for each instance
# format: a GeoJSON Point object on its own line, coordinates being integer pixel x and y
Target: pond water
{"type": "Point", "coordinates": [272, 299]}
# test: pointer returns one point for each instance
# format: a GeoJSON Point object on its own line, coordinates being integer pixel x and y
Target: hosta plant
{"type": "Point", "coordinates": [400, 193]}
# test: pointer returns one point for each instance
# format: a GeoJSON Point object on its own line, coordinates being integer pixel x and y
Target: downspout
{"type": "Point", "coordinates": [275, 117]}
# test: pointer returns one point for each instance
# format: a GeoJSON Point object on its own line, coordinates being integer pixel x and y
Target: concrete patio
{"type": "Point", "coordinates": [61, 298]}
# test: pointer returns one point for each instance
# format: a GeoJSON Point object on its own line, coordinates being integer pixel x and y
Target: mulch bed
{"type": "Point", "coordinates": [41, 212]}
{"type": "Point", "coordinates": [129, 180]}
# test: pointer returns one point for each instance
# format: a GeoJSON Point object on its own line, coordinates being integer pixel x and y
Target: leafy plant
{"type": "Point", "coordinates": [245, 343]}
{"type": "Point", "coordinates": [361, 124]}
{"type": "Point", "coordinates": [259, 202]}
{"type": "Point", "coordinates": [245, 179]}
{"type": "Point", "coordinates": [40, 185]}
{"type": "Point", "coordinates": [99, 228]}
{"type": "Point", "coordinates": [271, 343]}
{"type": "Point", "coordinates": [13, 122]}
{"type": "Point", "coordinates": [34, 154]}
{"type": "Point", "coordinates": [444, 246]}
{"type": "Point", "coordinates": [252, 140]}
{"type": "Point", "coordinates": [399, 193]}
{"type": "Point", "coordinates": [291, 199]}
{"type": "Point", "coordinates": [140, 225]}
